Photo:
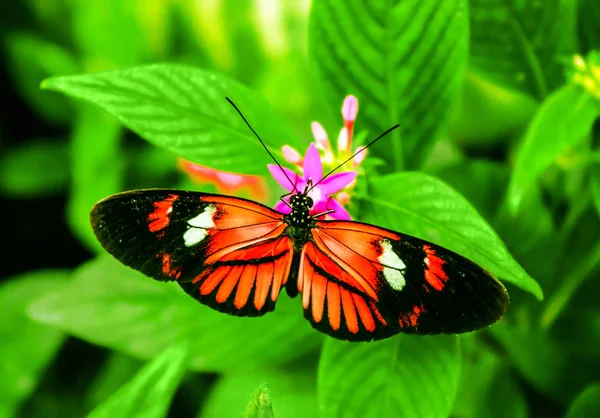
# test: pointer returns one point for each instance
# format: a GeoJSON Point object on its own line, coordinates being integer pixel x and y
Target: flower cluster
{"type": "Point", "coordinates": [329, 194]}
{"type": "Point", "coordinates": [587, 72]}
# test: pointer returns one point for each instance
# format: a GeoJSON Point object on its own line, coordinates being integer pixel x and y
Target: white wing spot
{"type": "Point", "coordinates": [393, 266]}
{"type": "Point", "coordinates": [198, 226]}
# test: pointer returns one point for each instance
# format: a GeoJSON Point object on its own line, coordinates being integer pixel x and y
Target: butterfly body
{"type": "Point", "coordinates": [357, 282]}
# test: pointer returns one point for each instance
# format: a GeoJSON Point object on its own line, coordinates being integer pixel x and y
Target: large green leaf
{"type": "Point", "coordinates": [293, 393]}
{"type": "Point", "coordinates": [421, 205]}
{"type": "Point", "coordinates": [27, 347]}
{"type": "Point", "coordinates": [34, 169]}
{"type": "Point", "coordinates": [487, 388]}
{"type": "Point", "coordinates": [149, 393]}
{"type": "Point", "coordinates": [114, 306]}
{"type": "Point", "coordinates": [407, 376]}
{"type": "Point", "coordinates": [548, 364]}
{"type": "Point", "coordinates": [402, 59]}
{"type": "Point", "coordinates": [183, 109]}
{"type": "Point", "coordinates": [587, 403]}
{"type": "Point", "coordinates": [519, 43]}
{"type": "Point", "coordinates": [562, 121]}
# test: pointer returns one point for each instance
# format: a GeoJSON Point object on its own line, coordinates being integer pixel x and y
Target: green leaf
{"type": "Point", "coordinates": [34, 169]}
{"type": "Point", "coordinates": [423, 206]}
{"type": "Point", "coordinates": [149, 393]}
{"type": "Point", "coordinates": [506, 44]}
{"type": "Point", "coordinates": [487, 388]}
{"type": "Point", "coordinates": [96, 168]}
{"type": "Point", "coordinates": [403, 60]}
{"type": "Point", "coordinates": [260, 405]}
{"type": "Point", "coordinates": [407, 375]}
{"type": "Point", "coordinates": [183, 109]}
{"type": "Point", "coordinates": [563, 120]}
{"type": "Point", "coordinates": [116, 371]}
{"type": "Point", "coordinates": [595, 185]}
{"type": "Point", "coordinates": [547, 364]}
{"type": "Point", "coordinates": [479, 181]}
{"type": "Point", "coordinates": [114, 306]}
{"type": "Point", "coordinates": [489, 114]}
{"type": "Point", "coordinates": [587, 404]}
{"type": "Point", "coordinates": [293, 393]}
{"type": "Point", "coordinates": [122, 40]}
{"type": "Point", "coordinates": [589, 31]}
{"type": "Point", "coordinates": [31, 60]}
{"type": "Point", "coordinates": [28, 347]}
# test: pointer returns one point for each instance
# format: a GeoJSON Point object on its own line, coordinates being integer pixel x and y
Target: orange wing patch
{"type": "Point", "coordinates": [335, 300]}
{"type": "Point", "coordinates": [246, 257]}
{"type": "Point", "coordinates": [434, 273]}
{"type": "Point", "coordinates": [159, 218]}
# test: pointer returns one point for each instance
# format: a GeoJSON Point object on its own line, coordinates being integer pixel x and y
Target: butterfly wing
{"type": "Point", "coordinates": [228, 253]}
{"type": "Point", "coordinates": [360, 283]}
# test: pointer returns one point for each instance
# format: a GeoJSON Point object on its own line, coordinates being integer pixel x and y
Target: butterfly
{"type": "Point", "coordinates": [356, 281]}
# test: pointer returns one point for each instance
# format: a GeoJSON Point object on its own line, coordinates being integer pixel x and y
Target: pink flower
{"type": "Point", "coordinates": [329, 158]}
{"type": "Point", "coordinates": [226, 183]}
{"type": "Point", "coordinates": [322, 193]}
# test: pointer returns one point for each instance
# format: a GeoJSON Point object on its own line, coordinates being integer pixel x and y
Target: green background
{"type": "Point", "coordinates": [497, 158]}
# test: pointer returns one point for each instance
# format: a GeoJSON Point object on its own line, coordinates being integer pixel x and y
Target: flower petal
{"type": "Point", "coordinates": [350, 108]}
{"type": "Point", "coordinates": [361, 153]}
{"type": "Point", "coordinates": [320, 135]}
{"type": "Point", "coordinates": [291, 155]}
{"type": "Point", "coordinates": [340, 212]}
{"type": "Point", "coordinates": [313, 168]}
{"type": "Point", "coordinates": [280, 177]}
{"type": "Point", "coordinates": [282, 207]}
{"type": "Point", "coordinates": [344, 143]}
{"type": "Point", "coordinates": [337, 182]}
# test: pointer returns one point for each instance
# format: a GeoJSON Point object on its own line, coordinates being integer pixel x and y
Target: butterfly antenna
{"type": "Point", "coordinates": [262, 143]}
{"type": "Point", "coordinates": [356, 153]}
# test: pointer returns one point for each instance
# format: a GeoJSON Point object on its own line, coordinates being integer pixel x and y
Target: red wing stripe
{"type": "Point", "coordinates": [264, 278]}
{"type": "Point", "coordinates": [213, 280]}
{"type": "Point", "coordinates": [281, 266]}
{"type": "Point", "coordinates": [349, 312]}
{"type": "Point", "coordinates": [333, 305]}
{"type": "Point", "coordinates": [228, 284]}
{"type": "Point", "coordinates": [307, 272]}
{"type": "Point", "coordinates": [344, 228]}
{"type": "Point", "coordinates": [361, 282]}
{"type": "Point", "coordinates": [364, 312]}
{"type": "Point", "coordinates": [319, 287]}
{"type": "Point", "coordinates": [226, 249]}
{"type": "Point", "coordinates": [230, 203]}
{"type": "Point", "coordinates": [245, 286]}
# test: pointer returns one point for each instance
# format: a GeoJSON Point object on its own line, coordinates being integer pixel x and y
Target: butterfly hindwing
{"type": "Point", "coordinates": [360, 282]}
{"type": "Point", "coordinates": [228, 253]}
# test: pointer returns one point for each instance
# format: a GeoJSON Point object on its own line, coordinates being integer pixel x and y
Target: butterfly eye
{"type": "Point", "coordinates": [309, 201]}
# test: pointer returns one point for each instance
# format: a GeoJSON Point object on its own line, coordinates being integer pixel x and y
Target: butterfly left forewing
{"type": "Point", "coordinates": [361, 282]}
{"type": "Point", "coordinates": [226, 252]}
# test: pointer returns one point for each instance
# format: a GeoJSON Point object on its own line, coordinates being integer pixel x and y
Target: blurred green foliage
{"type": "Point", "coordinates": [497, 158]}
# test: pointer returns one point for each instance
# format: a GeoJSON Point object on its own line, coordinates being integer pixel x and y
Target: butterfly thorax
{"type": "Point", "coordinates": [299, 219]}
